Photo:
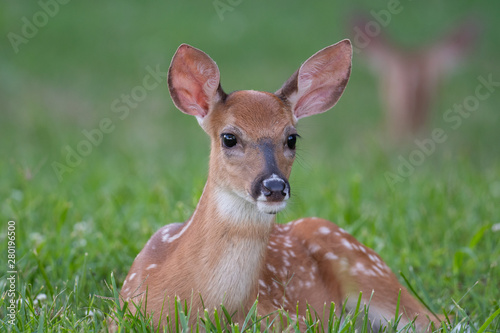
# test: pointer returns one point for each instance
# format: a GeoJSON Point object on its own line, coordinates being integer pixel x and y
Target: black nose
{"type": "Point", "coordinates": [275, 188]}
{"type": "Point", "coordinates": [270, 186]}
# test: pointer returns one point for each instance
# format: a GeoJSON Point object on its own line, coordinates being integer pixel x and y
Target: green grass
{"type": "Point", "coordinates": [438, 227]}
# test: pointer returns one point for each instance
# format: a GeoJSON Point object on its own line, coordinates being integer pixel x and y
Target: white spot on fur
{"type": "Point", "coordinates": [324, 230]}
{"type": "Point", "coordinates": [183, 230]}
{"type": "Point", "coordinates": [271, 268]}
{"type": "Point", "coordinates": [344, 264]}
{"type": "Point", "coordinates": [151, 266]}
{"type": "Point", "coordinates": [346, 243]}
{"type": "Point", "coordinates": [314, 248]}
{"type": "Point", "coordinates": [378, 271]}
{"type": "Point", "coordinates": [298, 221]}
{"type": "Point", "coordinates": [358, 268]}
{"type": "Point", "coordinates": [132, 276]}
{"type": "Point", "coordinates": [330, 256]}
{"type": "Point", "coordinates": [288, 242]}
{"type": "Point", "coordinates": [374, 259]}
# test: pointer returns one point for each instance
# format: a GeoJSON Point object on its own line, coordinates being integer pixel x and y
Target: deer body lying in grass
{"type": "Point", "coordinates": [230, 251]}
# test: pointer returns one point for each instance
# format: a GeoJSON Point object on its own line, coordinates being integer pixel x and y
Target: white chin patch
{"type": "Point", "coordinates": [271, 207]}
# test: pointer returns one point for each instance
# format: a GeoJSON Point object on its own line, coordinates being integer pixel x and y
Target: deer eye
{"type": "Point", "coordinates": [291, 141]}
{"type": "Point", "coordinates": [228, 140]}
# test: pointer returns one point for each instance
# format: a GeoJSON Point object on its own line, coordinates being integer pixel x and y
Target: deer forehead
{"type": "Point", "coordinates": [256, 114]}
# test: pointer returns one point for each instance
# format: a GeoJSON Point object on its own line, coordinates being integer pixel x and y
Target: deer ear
{"type": "Point", "coordinates": [194, 81]}
{"type": "Point", "coordinates": [318, 84]}
{"type": "Point", "coordinates": [448, 52]}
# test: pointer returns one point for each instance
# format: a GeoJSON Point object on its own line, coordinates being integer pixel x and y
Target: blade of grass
{"type": "Point", "coordinates": [331, 316]}
{"type": "Point", "coordinates": [417, 295]}
{"type": "Point", "coordinates": [44, 274]}
{"type": "Point", "coordinates": [176, 313]}
{"type": "Point", "coordinates": [488, 321]}
{"type": "Point", "coordinates": [218, 326]}
{"type": "Point", "coordinates": [229, 319]}
{"type": "Point", "coordinates": [41, 321]}
{"type": "Point", "coordinates": [249, 315]}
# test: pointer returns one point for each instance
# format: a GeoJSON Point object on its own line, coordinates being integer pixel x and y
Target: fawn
{"type": "Point", "coordinates": [409, 79]}
{"type": "Point", "coordinates": [230, 251]}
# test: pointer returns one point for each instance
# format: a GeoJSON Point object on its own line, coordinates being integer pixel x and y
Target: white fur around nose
{"type": "Point", "coordinates": [275, 177]}
{"type": "Point", "coordinates": [272, 207]}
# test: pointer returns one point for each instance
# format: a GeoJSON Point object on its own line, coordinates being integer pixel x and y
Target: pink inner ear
{"type": "Point", "coordinates": [313, 102]}
{"type": "Point", "coordinates": [188, 85]}
{"type": "Point", "coordinates": [194, 105]}
{"type": "Point", "coordinates": [321, 80]}
{"type": "Point", "coordinates": [193, 81]}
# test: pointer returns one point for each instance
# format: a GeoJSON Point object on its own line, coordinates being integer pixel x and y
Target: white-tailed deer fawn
{"type": "Point", "coordinates": [410, 79]}
{"type": "Point", "coordinates": [230, 251]}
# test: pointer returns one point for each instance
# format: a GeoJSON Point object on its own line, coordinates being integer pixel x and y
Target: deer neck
{"type": "Point", "coordinates": [227, 245]}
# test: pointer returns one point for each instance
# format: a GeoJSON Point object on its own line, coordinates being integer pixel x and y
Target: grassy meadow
{"type": "Point", "coordinates": [88, 176]}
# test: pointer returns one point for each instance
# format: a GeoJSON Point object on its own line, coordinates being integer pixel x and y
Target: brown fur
{"type": "Point", "coordinates": [230, 251]}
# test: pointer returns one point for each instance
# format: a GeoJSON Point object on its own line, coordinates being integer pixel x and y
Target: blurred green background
{"type": "Point", "coordinates": [438, 225]}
